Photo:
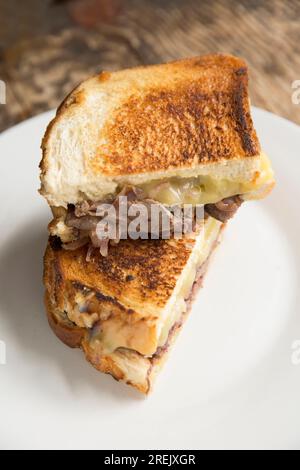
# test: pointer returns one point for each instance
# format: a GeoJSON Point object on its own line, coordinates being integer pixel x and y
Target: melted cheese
{"type": "Point", "coordinates": [205, 189]}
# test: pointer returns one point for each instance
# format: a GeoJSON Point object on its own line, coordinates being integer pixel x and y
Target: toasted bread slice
{"type": "Point", "coordinates": [125, 310]}
{"type": "Point", "coordinates": [177, 120]}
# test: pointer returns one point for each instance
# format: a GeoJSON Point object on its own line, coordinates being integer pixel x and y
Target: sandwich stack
{"type": "Point", "coordinates": [163, 136]}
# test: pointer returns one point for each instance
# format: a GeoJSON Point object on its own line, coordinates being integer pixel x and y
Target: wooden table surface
{"type": "Point", "coordinates": [48, 46]}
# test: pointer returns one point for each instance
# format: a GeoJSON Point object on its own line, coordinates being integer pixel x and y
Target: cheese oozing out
{"type": "Point", "coordinates": [205, 189]}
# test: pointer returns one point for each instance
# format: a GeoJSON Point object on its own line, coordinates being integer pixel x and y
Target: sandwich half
{"type": "Point", "coordinates": [173, 134]}
{"type": "Point", "coordinates": [125, 310]}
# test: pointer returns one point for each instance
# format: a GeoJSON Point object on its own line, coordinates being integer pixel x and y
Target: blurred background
{"type": "Point", "coordinates": [48, 46]}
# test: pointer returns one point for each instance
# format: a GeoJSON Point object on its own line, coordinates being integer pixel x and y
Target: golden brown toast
{"type": "Point", "coordinates": [183, 118]}
{"type": "Point", "coordinates": [124, 310]}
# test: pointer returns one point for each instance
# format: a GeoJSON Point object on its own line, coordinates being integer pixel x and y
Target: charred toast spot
{"type": "Point", "coordinates": [55, 242]}
{"type": "Point", "coordinates": [100, 296]}
{"type": "Point", "coordinates": [107, 298]}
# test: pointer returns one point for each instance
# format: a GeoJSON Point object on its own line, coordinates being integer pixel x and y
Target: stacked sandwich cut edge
{"type": "Point", "coordinates": [172, 134]}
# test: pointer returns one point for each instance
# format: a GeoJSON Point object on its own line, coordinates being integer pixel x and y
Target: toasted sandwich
{"type": "Point", "coordinates": [171, 134]}
{"type": "Point", "coordinates": [166, 135]}
{"type": "Point", "coordinates": [125, 310]}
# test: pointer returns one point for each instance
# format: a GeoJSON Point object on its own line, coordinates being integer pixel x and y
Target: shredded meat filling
{"type": "Point", "coordinates": [83, 218]}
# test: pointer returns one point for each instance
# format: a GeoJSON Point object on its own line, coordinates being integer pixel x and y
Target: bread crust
{"type": "Point", "coordinates": [70, 335]}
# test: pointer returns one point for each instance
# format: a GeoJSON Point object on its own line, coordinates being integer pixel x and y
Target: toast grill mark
{"type": "Point", "coordinates": [100, 296]}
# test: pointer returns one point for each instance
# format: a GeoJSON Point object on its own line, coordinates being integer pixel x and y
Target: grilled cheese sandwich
{"type": "Point", "coordinates": [165, 136]}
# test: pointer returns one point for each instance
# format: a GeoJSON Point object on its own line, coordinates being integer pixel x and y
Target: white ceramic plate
{"type": "Point", "coordinates": [232, 380]}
